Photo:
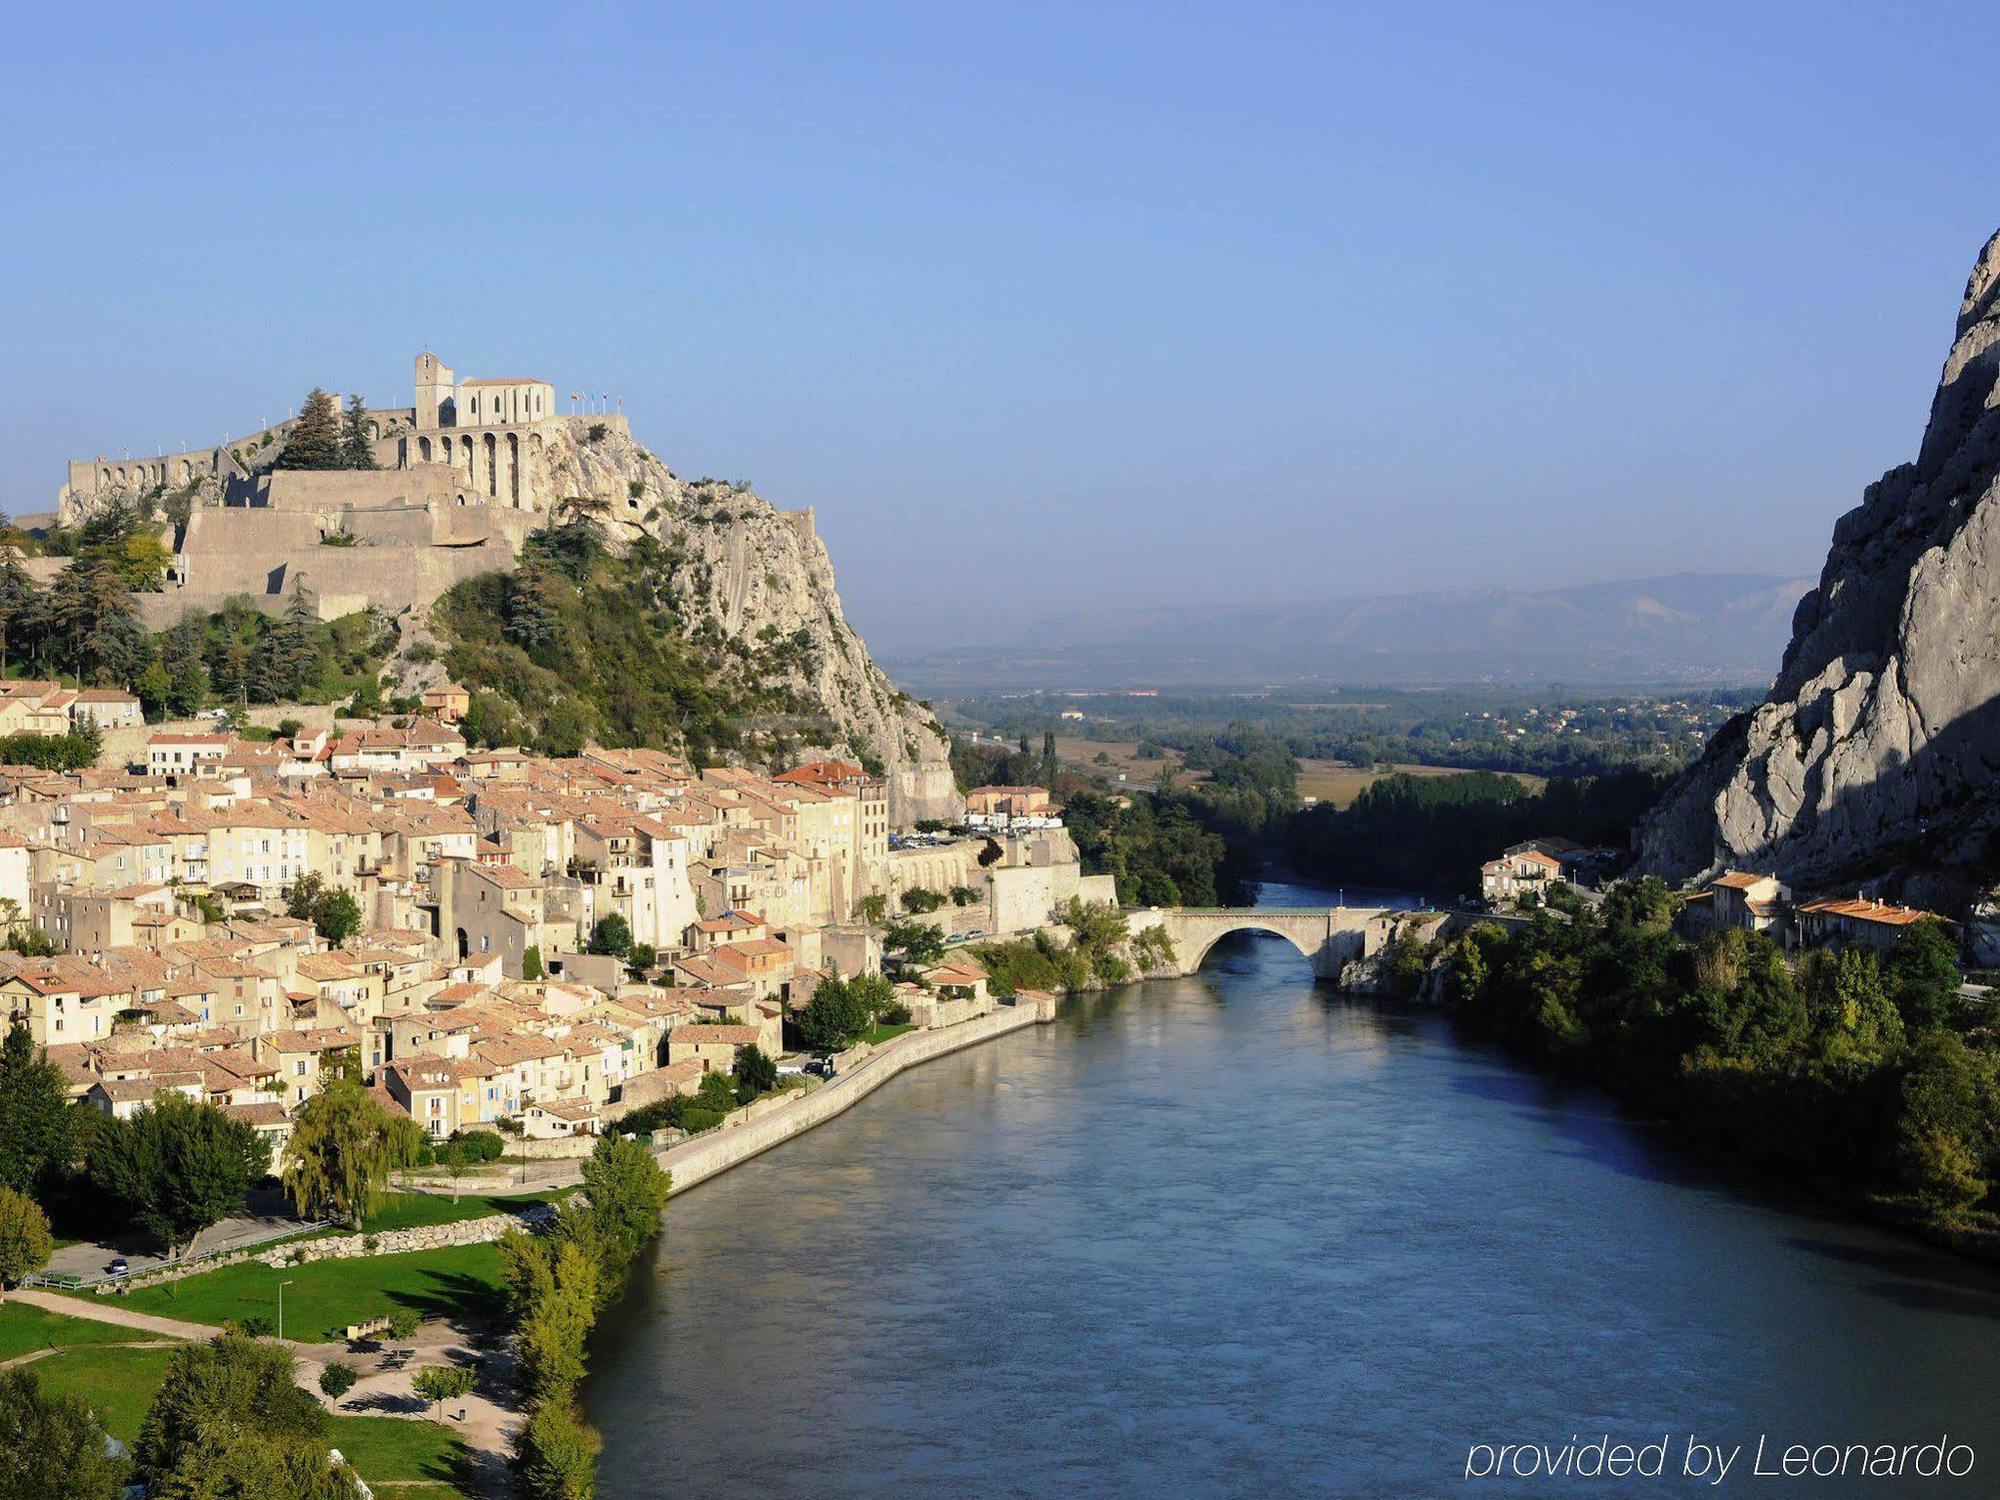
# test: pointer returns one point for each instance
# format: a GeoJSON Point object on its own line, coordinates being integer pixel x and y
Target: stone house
{"type": "Point", "coordinates": [1750, 902]}
{"type": "Point", "coordinates": [1867, 923]}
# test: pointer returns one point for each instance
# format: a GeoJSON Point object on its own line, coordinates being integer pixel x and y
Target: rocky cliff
{"type": "Point", "coordinates": [1876, 754]}
{"type": "Point", "coordinates": [759, 577]}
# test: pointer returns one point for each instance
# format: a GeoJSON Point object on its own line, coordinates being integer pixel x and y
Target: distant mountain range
{"type": "Point", "coordinates": [1719, 628]}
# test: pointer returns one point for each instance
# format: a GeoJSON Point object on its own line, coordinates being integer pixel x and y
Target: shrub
{"type": "Point", "coordinates": [481, 1145]}
{"type": "Point", "coordinates": [336, 1380]}
{"type": "Point", "coordinates": [403, 1322]}
{"type": "Point", "coordinates": [256, 1326]}
{"type": "Point", "coordinates": [596, 433]}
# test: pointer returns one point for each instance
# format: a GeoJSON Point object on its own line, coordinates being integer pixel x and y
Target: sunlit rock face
{"type": "Point", "coordinates": [1876, 754]}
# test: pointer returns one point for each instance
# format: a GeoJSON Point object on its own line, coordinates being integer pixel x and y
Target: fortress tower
{"type": "Point", "coordinates": [437, 393]}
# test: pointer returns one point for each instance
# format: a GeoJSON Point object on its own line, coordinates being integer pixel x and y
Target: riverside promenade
{"type": "Point", "coordinates": [695, 1161]}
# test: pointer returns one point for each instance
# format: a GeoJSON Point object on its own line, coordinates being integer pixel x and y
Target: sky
{"type": "Point", "coordinates": [1043, 308]}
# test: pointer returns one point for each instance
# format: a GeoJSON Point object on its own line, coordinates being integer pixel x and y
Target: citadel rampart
{"type": "Point", "coordinates": [352, 538]}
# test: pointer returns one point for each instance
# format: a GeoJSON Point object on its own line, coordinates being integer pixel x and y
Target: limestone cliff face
{"type": "Point", "coordinates": [760, 576]}
{"type": "Point", "coordinates": [1877, 751]}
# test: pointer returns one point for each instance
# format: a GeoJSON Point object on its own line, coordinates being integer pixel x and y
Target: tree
{"type": "Point", "coordinates": [336, 1380]}
{"type": "Point", "coordinates": [835, 1015]}
{"type": "Point", "coordinates": [334, 912]}
{"type": "Point", "coordinates": [25, 1241]}
{"type": "Point", "coordinates": [612, 935]}
{"type": "Point", "coordinates": [556, 1454]}
{"type": "Point", "coordinates": [917, 900]}
{"type": "Point", "coordinates": [357, 447]}
{"type": "Point", "coordinates": [17, 604]}
{"type": "Point", "coordinates": [874, 908]}
{"type": "Point", "coordinates": [187, 672]}
{"type": "Point", "coordinates": [37, 1122]}
{"type": "Point", "coordinates": [1850, 1010]}
{"type": "Point", "coordinates": [438, 1384]}
{"type": "Point", "coordinates": [963, 895]}
{"type": "Point", "coordinates": [230, 1420]}
{"type": "Point", "coordinates": [554, 1283]}
{"type": "Point", "coordinates": [337, 917]}
{"type": "Point", "coordinates": [454, 1158]}
{"type": "Point", "coordinates": [627, 1191]}
{"type": "Point", "coordinates": [291, 656]}
{"type": "Point", "coordinates": [177, 1166]}
{"type": "Point", "coordinates": [1922, 975]}
{"type": "Point", "coordinates": [52, 1446]}
{"type": "Point", "coordinates": [755, 1073]}
{"type": "Point", "coordinates": [338, 1159]}
{"type": "Point", "coordinates": [142, 560]}
{"type": "Point", "coordinates": [531, 962]}
{"type": "Point", "coordinates": [313, 440]}
{"type": "Point", "coordinates": [914, 942]}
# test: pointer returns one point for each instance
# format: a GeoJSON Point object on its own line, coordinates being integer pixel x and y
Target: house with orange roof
{"type": "Point", "coordinates": [1860, 920]}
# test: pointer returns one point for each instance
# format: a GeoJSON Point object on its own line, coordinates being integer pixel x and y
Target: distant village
{"type": "Point", "coordinates": [539, 945]}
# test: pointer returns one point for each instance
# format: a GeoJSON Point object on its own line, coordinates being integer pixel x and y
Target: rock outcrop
{"type": "Point", "coordinates": [760, 577]}
{"type": "Point", "coordinates": [1876, 755]}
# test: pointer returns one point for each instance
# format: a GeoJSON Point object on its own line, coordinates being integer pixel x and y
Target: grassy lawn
{"type": "Point", "coordinates": [118, 1383]}
{"type": "Point", "coordinates": [879, 1033]}
{"type": "Point", "coordinates": [414, 1210]}
{"type": "Point", "coordinates": [385, 1448]}
{"type": "Point", "coordinates": [324, 1297]}
{"type": "Point", "coordinates": [24, 1328]}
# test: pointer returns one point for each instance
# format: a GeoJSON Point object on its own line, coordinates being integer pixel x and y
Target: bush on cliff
{"type": "Point", "coordinates": [570, 652]}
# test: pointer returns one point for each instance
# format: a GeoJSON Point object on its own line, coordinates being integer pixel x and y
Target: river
{"type": "Point", "coordinates": [1240, 1235]}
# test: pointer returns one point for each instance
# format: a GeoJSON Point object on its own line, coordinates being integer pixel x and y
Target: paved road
{"type": "Point", "coordinates": [265, 1213]}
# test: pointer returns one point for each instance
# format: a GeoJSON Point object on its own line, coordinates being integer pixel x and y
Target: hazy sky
{"type": "Point", "coordinates": [1042, 307]}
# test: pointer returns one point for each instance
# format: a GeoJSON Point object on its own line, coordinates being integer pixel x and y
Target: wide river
{"type": "Point", "coordinates": [1239, 1235]}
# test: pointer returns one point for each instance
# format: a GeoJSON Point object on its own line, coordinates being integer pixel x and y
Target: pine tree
{"type": "Point", "coordinates": [314, 439]}
{"type": "Point", "coordinates": [357, 449]}
{"type": "Point", "coordinates": [17, 594]}
{"type": "Point", "coordinates": [291, 655]}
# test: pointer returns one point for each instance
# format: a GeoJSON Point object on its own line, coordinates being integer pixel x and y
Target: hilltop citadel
{"type": "Point", "coordinates": [463, 474]}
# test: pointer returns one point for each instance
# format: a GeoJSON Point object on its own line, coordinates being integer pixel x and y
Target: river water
{"type": "Point", "coordinates": [1239, 1235]}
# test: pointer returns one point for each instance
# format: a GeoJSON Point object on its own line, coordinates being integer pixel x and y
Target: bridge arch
{"type": "Point", "coordinates": [1206, 939]}
{"type": "Point", "coordinates": [1328, 937]}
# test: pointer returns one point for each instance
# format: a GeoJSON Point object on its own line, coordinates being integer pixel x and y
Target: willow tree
{"type": "Point", "coordinates": [343, 1147]}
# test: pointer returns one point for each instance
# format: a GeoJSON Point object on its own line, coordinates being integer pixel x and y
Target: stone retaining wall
{"type": "Point", "coordinates": [698, 1160]}
{"type": "Point", "coordinates": [478, 1231]}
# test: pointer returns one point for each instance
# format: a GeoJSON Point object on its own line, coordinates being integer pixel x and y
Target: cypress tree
{"type": "Point", "coordinates": [314, 439]}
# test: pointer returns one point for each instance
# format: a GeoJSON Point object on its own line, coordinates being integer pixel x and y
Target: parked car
{"type": "Point", "coordinates": [118, 1267]}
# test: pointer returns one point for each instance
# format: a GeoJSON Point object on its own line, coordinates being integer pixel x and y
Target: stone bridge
{"type": "Point", "coordinates": [1329, 936]}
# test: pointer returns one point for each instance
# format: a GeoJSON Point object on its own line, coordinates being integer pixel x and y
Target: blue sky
{"type": "Point", "coordinates": [1043, 307]}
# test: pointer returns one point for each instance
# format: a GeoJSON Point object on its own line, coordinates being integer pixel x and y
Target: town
{"type": "Point", "coordinates": [497, 939]}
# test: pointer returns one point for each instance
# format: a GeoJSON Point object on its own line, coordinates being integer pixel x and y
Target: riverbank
{"type": "Point", "coordinates": [1276, 1289]}
{"type": "Point", "coordinates": [694, 1162]}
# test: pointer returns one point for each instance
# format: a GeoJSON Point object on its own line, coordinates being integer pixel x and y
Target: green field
{"type": "Point", "coordinates": [882, 1031]}
{"type": "Point", "coordinates": [24, 1328]}
{"type": "Point", "coordinates": [398, 1448]}
{"type": "Point", "coordinates": [118, 1383]}
{"type": "Point", "coordinates": [324, 1297]}
{"type": "Point", "coordinates": [422, 1210]}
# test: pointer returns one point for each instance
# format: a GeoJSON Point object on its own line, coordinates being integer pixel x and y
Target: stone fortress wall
{"type": "Point", "coordinates": [461, 481]}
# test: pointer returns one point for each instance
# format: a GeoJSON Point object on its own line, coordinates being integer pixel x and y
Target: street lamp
{"type": "Point", "coordinates": [281, 1310]}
